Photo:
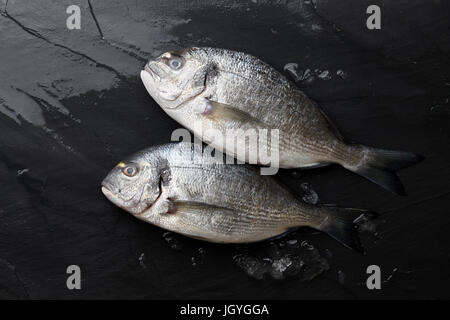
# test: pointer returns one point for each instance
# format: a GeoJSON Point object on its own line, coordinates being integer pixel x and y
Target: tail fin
{"type": "Point", "coordinates": [380, 165]}
{"type": "Point", "coordinates": [342, 224]}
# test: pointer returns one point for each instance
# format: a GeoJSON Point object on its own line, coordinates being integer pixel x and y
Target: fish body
{"type": "Point", "coordinates": [217, 90]}
{"type": "Point", "coordinates": [176, 187]}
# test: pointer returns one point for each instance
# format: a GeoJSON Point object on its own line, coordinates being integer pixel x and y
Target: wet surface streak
{"type": "Point", "coordinates": [72, 105]}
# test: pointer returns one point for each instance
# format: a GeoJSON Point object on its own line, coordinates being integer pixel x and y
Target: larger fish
{"type": "Point", "coordinates": [176, 187]}
{"type": "Point", "coordinates": [208, 88]}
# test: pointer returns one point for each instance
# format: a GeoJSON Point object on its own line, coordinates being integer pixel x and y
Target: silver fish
{"type": "Point", "coordinates": [209, 88]}
{"type": "Point", "coordinates": [180, 188]}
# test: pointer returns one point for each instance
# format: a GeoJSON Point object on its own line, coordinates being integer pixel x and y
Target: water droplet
{"type": "Point", "coordinates": [307, 76]}
{"type": "Point", "coordinates": [341, 276]}
{"type": "Point", "coordinates": [306, 245]}
{"type": "Point", "coordinates": [172, 240]}
{"type": "Point", "coordinates": [273, 251]}
{"type": "Point", "coordinates": [291, 69]}
{"type": "Point", "coordinates": [324, 75]}
{"type": "Point", "coordinates": [341, 74]}
{"type": "Point", "coordinates": [280, 266]}
{"type": "Point", "coordinates": [198, 257]}
{"type": "Point", "coordinates": [394, 271]}
{"type": "Point", "coordinates": [21, 172]}
{"type": "Point", "coordinates": [310, 196]}
{"type": "Point", "coordinates": [141, 261]}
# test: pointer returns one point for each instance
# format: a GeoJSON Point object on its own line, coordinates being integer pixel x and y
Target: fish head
{"type": "Point", "coordinates": [175, 77]}
{"type": "Point", "coordinates": [133, 185]}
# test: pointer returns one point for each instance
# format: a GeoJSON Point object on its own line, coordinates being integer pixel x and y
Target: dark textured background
{"type": "Point", "coordinates": [72, 105]}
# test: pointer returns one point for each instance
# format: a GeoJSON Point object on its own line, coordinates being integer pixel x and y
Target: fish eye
{"type": "Point", "coordinates": [130, 170]}
{"type": "Point", "coordinates": [175, 63]}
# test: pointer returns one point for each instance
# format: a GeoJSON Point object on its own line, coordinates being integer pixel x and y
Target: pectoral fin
{"type": "Point", "coordinates": [205, 221]}
{"type": "Point", "coordinates": [198, 207]}
{"type": "Point", "coordinates": [225, 113]}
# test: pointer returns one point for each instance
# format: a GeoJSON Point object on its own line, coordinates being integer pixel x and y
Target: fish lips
{"type": "Point", "coordinates": [152, 71]}
{"type": "Point", "coordinates": [113, 197]}
{"type": "Point", "coordinates": [148, 79]}
{"type": "Point", "coordinates": [133, 205]}
{"type": "Point", "coordinates": [129, 205]}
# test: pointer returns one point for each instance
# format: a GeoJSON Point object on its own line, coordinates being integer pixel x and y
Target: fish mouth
{"type": "Point", "coordinates": [112, 196]}
{"type": "Point", "coordinates": [130, 204]}
{"type": "Point", "coordinates": [107, 192]}
{"type": "Point", "coordinates": [152, 71]}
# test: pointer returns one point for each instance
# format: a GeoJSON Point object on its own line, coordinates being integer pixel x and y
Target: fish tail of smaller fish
{"type": "Point", "coordinates": [342, 224]}
{"type": "Point", "coordinates": [379, 165]}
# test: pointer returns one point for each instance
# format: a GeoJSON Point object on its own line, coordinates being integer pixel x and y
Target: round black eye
{"type": "Point", "coordinates": [130, 170]}
{"type": "Point", "coordinates": [175, 63]}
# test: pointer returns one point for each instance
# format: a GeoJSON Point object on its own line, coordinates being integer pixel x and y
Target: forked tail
{"type": "Point", "coordinates": [380, 165]}
{"type": "Point", "coordinates": [342, 224]}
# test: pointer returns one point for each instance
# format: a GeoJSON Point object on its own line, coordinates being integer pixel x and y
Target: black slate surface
{"type": "Point", "coordinates": [72, 105]}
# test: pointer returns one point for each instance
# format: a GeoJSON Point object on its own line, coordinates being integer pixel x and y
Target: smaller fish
{"type": "Point", "coordinates": [178, 188]}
